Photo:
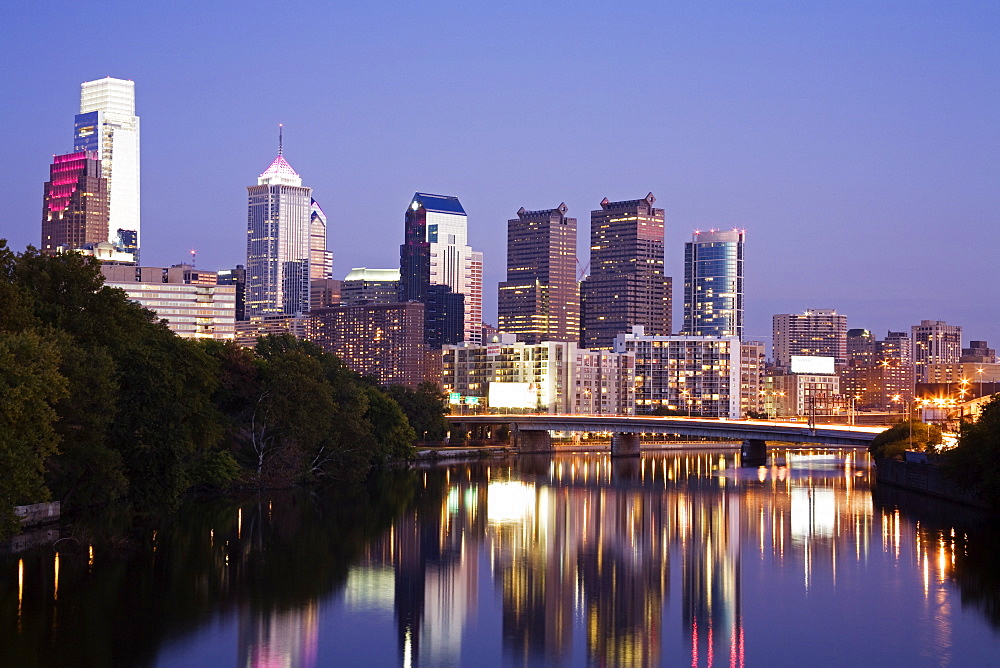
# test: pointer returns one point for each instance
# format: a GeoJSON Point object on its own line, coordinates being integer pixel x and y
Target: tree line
{"type": "Point", "coordinates": [100, 401]}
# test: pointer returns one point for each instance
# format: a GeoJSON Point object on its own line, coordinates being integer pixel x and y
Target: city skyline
{"type": "Point", "coordinates": [854, 144]}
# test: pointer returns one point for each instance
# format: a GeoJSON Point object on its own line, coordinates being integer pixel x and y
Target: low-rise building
{"type": "Point", "coordinates": [191, 302]}
{"type": "Point", "coordinates": [552, 377]}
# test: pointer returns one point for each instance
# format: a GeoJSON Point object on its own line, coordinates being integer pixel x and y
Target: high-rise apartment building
{"type": "Point", "coordinates": [814, 333]}
{"type": "Point", "coordinates": [286, 243]}
{"type": "Point", "coordinates": [626, 285]}
{"type": "Point", "coordinates": [237, 277]}
{"type": "Point", "coordinates": [935, 342]}
{"type": "Point", "coordinates": [381, 340]}
{"type": "Point", "coordinates": [696, 375]}
{"type": "Point", "coordinates": [108, 126]}
{"type": "Point", "coordinates": [439, 269]}
{"type": "Point", "coordinates": [713, 284]}
{"type": "Point", "coordinates": [75, 209]}
{"type": "Point", "coordinates": [540, 300]}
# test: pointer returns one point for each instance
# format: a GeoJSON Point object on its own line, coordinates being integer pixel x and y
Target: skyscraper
{"type": "Point", "coordinates": [286, 242]}
{"type": "Point", "coordinates": [439, 268]}
{"type": "Point", "coordinates": [540, 300]}
{"type": "Point", "coordinates": [713, 284]}
{"type": "Point", "coordinates": [814, 333]}
{"type": "Point", "coordinates": [626, 285]}
{"type": "Point", "coordinates": [75, 211]}
{"type": "Point", "coordinates": [107, 125]}
{"type": "Point", "coordinates": [935, 342]}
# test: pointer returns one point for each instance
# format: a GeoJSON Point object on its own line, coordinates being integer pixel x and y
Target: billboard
{"type": "Point", "coordinates": [816, 365]}
{"type": "Point", "coordinates": [512, 395]}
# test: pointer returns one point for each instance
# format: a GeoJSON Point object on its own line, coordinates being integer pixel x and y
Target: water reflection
{"type": "Point", "coordinates": [575, 559]}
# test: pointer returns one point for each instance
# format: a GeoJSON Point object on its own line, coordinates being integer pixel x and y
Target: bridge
{"type": "Point", "coordinates": [530, 433]}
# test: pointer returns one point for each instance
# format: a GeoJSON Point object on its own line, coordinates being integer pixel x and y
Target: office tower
{"type": "Point", "coordinates": [935, 342]}
{"type": "Point", "coordinates": [320, 259]}
{"type": "Point", "coordinates": [286, 242]}
{"type": "Point", "coordinates": [626, 285]}
{"type": "Point", "coordinates": [815, 333]}
{"type": "Point", "coordinates": [194, 305]}
{"type": "Point", "coordinates": [713, 284]}
{"type": "Point", "coordinates": [878, 375]}
{"type": "Point", "coordinates": [107, 125]}
{"type": "Point", "coordinates": [440, 269]}
{"type": "Point", "coordinates": [75, 209]}
{"type": "Point", "coordinates": [236, 277]}
{"type": "Point", "coordinates": [540, 300]}
{"type": "Point", "coordinates": [862, 348]}
{"type": "Point", "coordinates": [896, 345]}
{"type": "Point", "coordinates": [690, 375]}
{"type": "Point", "coordinates": [381, 340]}
{"type": "Point", "coordinates": [375, 286]}
{"type": "Point", "coordinates": [324, 293]}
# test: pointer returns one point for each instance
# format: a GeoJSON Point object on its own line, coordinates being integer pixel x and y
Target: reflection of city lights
{"type": "Point", "coordinates": [509, 501]}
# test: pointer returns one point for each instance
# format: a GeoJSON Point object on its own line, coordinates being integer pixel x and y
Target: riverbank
{"type": "Point", "coordinates": [926, 479]}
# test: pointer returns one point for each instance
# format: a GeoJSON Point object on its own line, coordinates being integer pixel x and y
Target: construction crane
{"type": "Point", "coordinates": [581, 270]}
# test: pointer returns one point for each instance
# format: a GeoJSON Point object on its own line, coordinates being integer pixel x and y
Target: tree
{"type": "Point", "coordinates": [894, 441]}
{"type": "Point", "coordinates": [30, 386]}
{"type": "Point", "coordinates": [975, 462]}
{"type": "Point", "coordinates": [392, 432]}
{"type": "Point", "coordinates": [425, 408]}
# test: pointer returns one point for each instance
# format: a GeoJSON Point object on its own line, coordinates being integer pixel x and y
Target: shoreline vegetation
{"type": "Point", "coordinates": [101, 403]}
{"type": "Point", "coordinates": [969, 473]}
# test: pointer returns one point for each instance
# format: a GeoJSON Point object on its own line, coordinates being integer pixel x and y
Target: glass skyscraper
{"type": "Point", "coordinates": [713, 284]}
{"type": "Point", "coordinates": [286, 243]}
{"type": "Point", "coordinates": [439, 268]}
{"type": "Point", "coordinates": [108, 126]}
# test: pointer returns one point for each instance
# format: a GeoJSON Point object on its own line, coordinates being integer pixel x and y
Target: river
{"type": "Point", "coordinates": [674, 558]}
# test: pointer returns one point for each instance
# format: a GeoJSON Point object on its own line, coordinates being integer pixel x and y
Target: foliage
{"type": "Point", "coordinates": [425, 408]}
{"type": "Point", "coordinates": [975, 462]}
{"type": "Point", "coordinates": [144, 415]}
{"type": "Point", "coordinates": [30, 385]}
{"type": "Point", "coordinates": [903, 436]}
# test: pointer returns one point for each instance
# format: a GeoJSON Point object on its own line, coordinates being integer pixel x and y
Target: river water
{"type": "Point", "coordinates": [674, 558]}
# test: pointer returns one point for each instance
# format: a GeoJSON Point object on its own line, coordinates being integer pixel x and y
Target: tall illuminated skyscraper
{"type": "Point", "coordinates": [713, 284]}
{"type": "Point", "coordinates": [107, 125]}
{"type": "Point", "coordinates": [626, 286]}
{"type": "Point", "coordinates": [540, 300]}
{"type": "Point", "coordinates": [286, 242]}
{"type": "Point", "coordinates": [75, 211]}
{"type": "Point", "coordinates": [439, 268]}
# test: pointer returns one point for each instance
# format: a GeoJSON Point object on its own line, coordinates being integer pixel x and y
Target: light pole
{"type": "Point", "coordinates": [980, 371]}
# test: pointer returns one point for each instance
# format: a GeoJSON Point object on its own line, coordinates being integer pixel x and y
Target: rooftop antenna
{"type": "Point", "coordinates": [279, 138]}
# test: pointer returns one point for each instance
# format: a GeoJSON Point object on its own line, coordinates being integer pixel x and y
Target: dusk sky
{"type": "Point", "coordinates": [858, 143]}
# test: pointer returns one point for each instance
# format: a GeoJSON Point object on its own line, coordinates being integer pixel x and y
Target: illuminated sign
{"type": "Point", "coordinates": [454, 398]}
{"type": "Point", "coordinates": [512, 395]}
{"type": "Point", "coordinates": [815, 365]}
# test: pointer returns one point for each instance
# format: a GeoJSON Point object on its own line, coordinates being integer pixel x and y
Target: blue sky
{"type": "Point", "coordinates": [858, 143]}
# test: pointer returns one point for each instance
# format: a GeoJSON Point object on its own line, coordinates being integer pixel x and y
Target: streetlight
{"type": "Point", "coordinates": [980, 371]}
{"type": "Point", "coordinates": [688, 399]}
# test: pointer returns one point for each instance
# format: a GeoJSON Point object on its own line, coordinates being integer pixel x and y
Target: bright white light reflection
{"type": "Point", "coordinates": [509, 502]}
{"type": "Point", "coordinates": [370, 588]}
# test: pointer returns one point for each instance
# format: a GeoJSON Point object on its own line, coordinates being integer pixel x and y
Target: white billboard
{"type": "Point", "coordinates": [512, 395]}
{"type": "Point", "coordinates": [815, 365]}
